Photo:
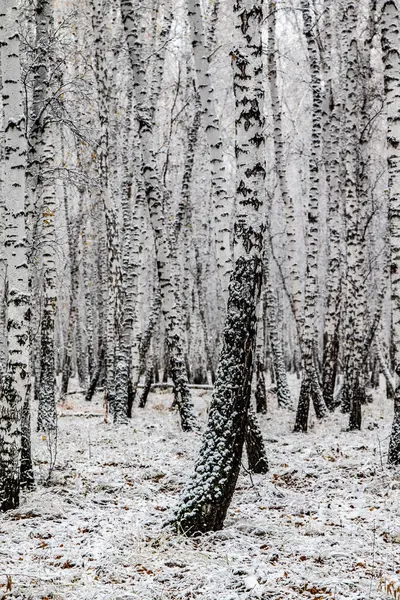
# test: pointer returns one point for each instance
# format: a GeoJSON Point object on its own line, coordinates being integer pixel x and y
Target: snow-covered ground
{"type": "Point", "coordinates": [324, 523]}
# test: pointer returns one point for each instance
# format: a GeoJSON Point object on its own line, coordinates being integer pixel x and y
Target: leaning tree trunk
{"type": "Point", "coordinates": [391, 61]}
{"type": "Point", "coordinates": [206, 499]}
{"type": "Point", "coordinates": [15, 386]}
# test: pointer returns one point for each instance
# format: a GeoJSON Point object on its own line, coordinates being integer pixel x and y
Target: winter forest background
{"type": "Point", "coordinates": [200, 299]}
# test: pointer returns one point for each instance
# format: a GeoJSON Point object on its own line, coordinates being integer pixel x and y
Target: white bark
{"type": "Point", "coordinates": [154, 196]}
{"type": "Point", "coordinates": [391, 59]}
{"type": "Point", "coordinates": [216, 149]}
{"type": "Point", "coordinates": [16, 380]}
{"type": "Point", "coordinates": [206, 498]}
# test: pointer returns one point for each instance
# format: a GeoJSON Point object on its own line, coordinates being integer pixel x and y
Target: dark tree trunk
{"type": "Point", "coordinates": [131, 398]}
{"type": "Point", "coordinates": [375, 374]}
{"type": "Point", "coordinates": [148, 380]}
{"type": "Point", "coordinates": [303, 407]}
{"type": "Point", "coordinates": [95, 381]}
{"type": "Point", "coordinates": [208, 496]}
{"type": "Point", "coordinates": [356, 400]}
{"type": "Point", "coordinates": [26, 475]}
{"type": "Point", "coordinates": [394, 444]}
{"type": "Point", "coordinates": [329, 370]}
{"type": "Point", "coordinates": [260, 393]}
{"type": "Point", "coordinates": [47, 418]}
{"type": "Point", "coordinates": [256, 454]}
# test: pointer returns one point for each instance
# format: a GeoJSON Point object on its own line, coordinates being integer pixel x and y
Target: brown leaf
{"type": "Point", "coordinates": [142, 569]}
{"type": "Point", "coordinates": [68, 565]}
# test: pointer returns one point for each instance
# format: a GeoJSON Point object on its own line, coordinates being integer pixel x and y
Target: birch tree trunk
{"type": "Point", "coordinates": [282, 388]}
{"type": "Point", "coordinates": [356, 190]}
{"type": "Point", "coordinates": [15, 386]}
{"type": "Point", "coordinates": [310, 386]}
{"type": "Point", "coordinates": [111, 275]}
{"type": "Point", "coordinates": [214, 139]}
{"type": "Point", "coordinates": [332, 115]}
{"type": "Point", "coordinates": [281, 170]}
{"type": "Point", "coordinates": [154, 197]}
{"type": "Point", "coordinates": [73, 227]}
{"type": "Point", "coordinates": [206, 499]}
{"type": "Point", "coordinates": [41, 165]}
{"type": "Point", "coordinates": [391, 60]}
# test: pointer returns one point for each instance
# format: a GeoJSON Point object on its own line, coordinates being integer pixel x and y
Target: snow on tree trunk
{"type": "Point", "coordinates": [391, 60]}
{"type": "Point", "coordinates": [255, 448]}
{"type": "Point", "coordinates": [15, 386]}
{"type": "Point", "coordinates": [206, 499]}
{"type": "Point", "coordinates": [42, 155]}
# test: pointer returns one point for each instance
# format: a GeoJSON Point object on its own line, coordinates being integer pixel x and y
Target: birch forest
{"type": "Point", "coordinates": [199, 299]}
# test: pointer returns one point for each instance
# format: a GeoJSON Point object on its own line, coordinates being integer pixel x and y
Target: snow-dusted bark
{"type": "Point", "coordinates": [391, 60]}
{"type": "Point", "coordinates": [41, 177]}
{"type": "Point", "coordinates": [154, 197]}
{"type": "Point", "coordinates": [3, 277]}
{"type": "Point", "coordinates": [310, 384]}
{"type": "Point", "coordinates": [15, 385]}
{"type": "Point", "coordinates": [255, 448]}
{"type": "Point", "coordinates": [206, 499]}
{"type": "Point", "coordinates": [258, 384]}
{"type": "Point", "coordinates": [214, 139]}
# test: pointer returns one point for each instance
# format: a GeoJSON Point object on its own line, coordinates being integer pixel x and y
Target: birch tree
{"type": "Point", "coordinates": [391, 60]}
{"type": "Point", "coordinates": [206, 499]}
{"type": "Point", "coordinates": [310, 387]}
{"type": "Point", "coordinates": [40, 178]}
{"type": "Point", "coordinates": [15, 386]}
{"type": "Point", "coordinates": [154, 197]}
{"type": "Point", "coordinates": [211, 124]}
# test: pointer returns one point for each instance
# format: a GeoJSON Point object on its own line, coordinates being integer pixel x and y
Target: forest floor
{"type": "Point", "coordinates": [323, 524]}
